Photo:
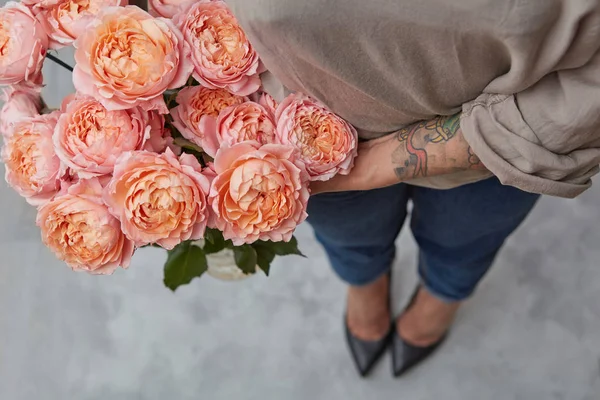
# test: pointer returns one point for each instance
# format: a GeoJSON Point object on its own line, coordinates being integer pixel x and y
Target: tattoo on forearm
{"type": "Point", "coordinates": [438, 130]}
{"type": "Point", "coordinates": [443, 128]}
{"type": "Point", "coordinates": [417, 155]}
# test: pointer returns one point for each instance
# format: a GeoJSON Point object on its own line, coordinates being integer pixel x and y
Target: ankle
{"type": "Point", "coordinates": [427, 320]}
{"type": "Point", "coordinates": [374, 329]}
{"type": "Point", "coordinates": [421, 337]}
{"type": "Point", "coordinates": [368, 314]}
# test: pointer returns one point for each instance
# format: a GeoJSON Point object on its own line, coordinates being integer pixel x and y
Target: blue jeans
{"type": "Point", "coordinates": [458, 231]}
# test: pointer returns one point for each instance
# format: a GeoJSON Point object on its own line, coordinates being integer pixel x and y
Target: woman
{"type": "Point", "coordinates": [469, 108]}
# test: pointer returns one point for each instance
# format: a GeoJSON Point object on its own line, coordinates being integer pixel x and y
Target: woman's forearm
{"type": "Point", "coordinates": [426, 149]}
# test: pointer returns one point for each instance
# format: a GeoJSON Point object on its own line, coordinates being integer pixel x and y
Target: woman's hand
{"type": "Point", "coordinates": [426, 149]}
{"type": "Point", "coordinates": [366, 165]}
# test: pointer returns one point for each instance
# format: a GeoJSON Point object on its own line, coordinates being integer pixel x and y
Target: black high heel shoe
{"type": "Point", "coordinates": [366, 353]}
{"type": "Point", "coordinates": [406, 356]}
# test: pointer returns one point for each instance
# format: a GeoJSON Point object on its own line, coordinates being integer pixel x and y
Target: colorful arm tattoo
{"type": "Point", "coordinates": [413, 153]}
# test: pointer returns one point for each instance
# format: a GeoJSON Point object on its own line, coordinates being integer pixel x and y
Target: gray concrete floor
{"type": "Point", "coordinates": [531, 332]}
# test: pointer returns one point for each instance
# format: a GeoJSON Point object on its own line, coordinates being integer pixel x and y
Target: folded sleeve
{"type": "Point", "coordinates": [545, 139]}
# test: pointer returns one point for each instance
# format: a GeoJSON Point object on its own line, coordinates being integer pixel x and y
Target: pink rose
{"type": "Point", "coordinates": [160, 137]}
{"type": "Point", "coordinates": [20, 101]}
{"type": "Point", "coordinates": [196, 115]}
{"type": "Point", "coordinates": [65, 20]}
{"type": "Point", "coordinates": [127, 58]}
{"type": "Point", "coordinates": [88, 138]}
{"type": "Point", "coordinates": [78, 228]}
{"type": "Point", "coordinates": [211, 174]}
{"type": "Point", "coordinates": [246, 121]}
{"type": "Point", "coordinates": [326, 142]}
{"type": "Point", "coordinates": [32, 167]}
{"type": "Point", "coordinates": [37, 5]}
{"type": "Point", "coordinates": [70, 178]}
{"type": "Point", "coordinates": [258, 193]}
{"type": "Point", "coordinates": [210, 171]}
{"type": "Point", "coordinates": [23, 45]}
{"type": "Point", "coordinates": [167, 8]}
{"type": "Point", "coordinates": [268, 102]}
{"type": "Point", "coordinates": [159, 198]}
{"type": "Point", "coordinates": [222, 55]}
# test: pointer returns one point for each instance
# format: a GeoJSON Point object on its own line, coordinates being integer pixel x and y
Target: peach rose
{"type": "Point", "coordinates": [88, 138]}
{"type": "Point", "coordinates": [258, 193]}
{"type": "Point", "coordinates": [167, 8]}
{"type": "Point", "coordinates": [78, 228]}
{"type": "Point", "coordinates": [268, 102]}
{"type": "Point", "coordinates": [210, 171]}
{"type": "Point", "coordinates": [222, 55]}
{"type": "Point", "coordinates": [23, 45]}
{"type": "Point", "coordinates": [160, 137]}
{"type": "Point", "coordinates": [66, 20]}
{"type": "Point", "coordinates": [20, 101]}
{"type": "Point", "coordinates": [196, 115]}
{"type": "Point", "coordinates": [38, 5]}
{"type": "Point", "coordinates": [246, 121]}
{"type": "Point", "coordinates": [327, 143]}
{"type": "Point", "coordinates": [32, 167]}
{"type": "Point", "coordinates": [127, 58]}
{"type": "Point", "coordinates": [159, 198]}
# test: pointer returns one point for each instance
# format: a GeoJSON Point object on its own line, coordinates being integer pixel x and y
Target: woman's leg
{"type": "Point", "coordinates": [358, 230]}
{"type": "Point", "coordinates": [459, 233]}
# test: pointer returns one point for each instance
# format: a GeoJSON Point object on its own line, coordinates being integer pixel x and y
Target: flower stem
{"type": "Point", "coordinates": [59, 62]}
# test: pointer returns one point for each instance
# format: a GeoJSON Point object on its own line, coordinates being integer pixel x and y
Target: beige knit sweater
{"type": "Point", "coordinates": [524, 73]}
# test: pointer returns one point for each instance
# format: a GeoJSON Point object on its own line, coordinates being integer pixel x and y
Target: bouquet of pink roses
{"type": "Point", "coordinates": [169, 140]}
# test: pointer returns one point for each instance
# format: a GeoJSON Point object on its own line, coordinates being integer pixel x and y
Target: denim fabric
{"type": "Point", "coordinates": [458, 231]}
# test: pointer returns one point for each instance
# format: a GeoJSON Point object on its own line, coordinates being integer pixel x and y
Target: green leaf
{"type": "Point", "coordinates": [213, 235]}
{"type": "Point", "coordinates": [184, 263]}
{"type": "Point", "coordinates": [283, 248]}
{"type": "Point", "coordinates": [267, 250]}
{"type": "Point", "coordinates": [170, 96]}
{"type": "Point", "coordinates": [245, 258]}
{"type": "Point", "coordinates": [169, 125]}
{"type": "Point", "coordinates": [211, 248]}
{"type": "Point", "coordinates": [189, 147]}
{"type": "Point", "coordinates": [192, 82]}
{"type": "Point", "coordinates": [214, 241]}
{"type": "Point", "coordinates": [186, 144]}
{"type": "Point", "coordinates": [207, 159]}
{"type": "Point", "coordinates": [265, 256]}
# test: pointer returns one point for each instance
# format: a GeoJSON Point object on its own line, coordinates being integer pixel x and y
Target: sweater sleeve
{"type": "Point", "coordinates": [545, 139]}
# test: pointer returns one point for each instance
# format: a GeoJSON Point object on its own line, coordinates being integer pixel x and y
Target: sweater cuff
{"type": "Point", "coordinates": [495, 129]}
